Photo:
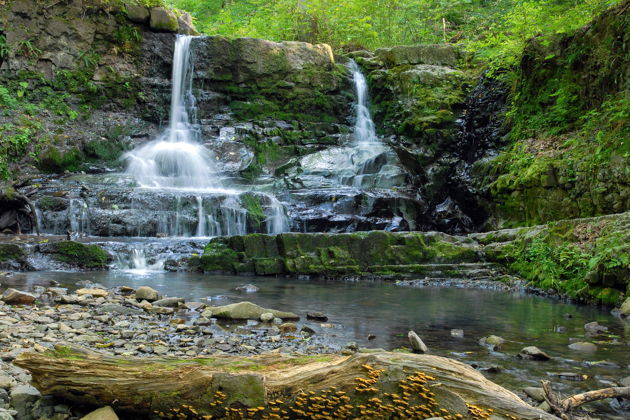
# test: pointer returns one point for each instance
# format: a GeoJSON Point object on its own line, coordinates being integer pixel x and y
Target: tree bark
{"type": "Point", "coordinates": [372, 385]}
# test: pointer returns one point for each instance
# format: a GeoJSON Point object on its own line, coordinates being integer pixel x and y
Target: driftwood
{"type": "Point", "coordinates": [564, 407]}
{"type": "Point", "coordinates": [365, 385]}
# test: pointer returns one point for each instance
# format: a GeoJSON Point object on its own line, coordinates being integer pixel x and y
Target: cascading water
{"type": "Point", "coordinates": [176, 159]}
{"type": "Point", "coordinates": [364, 131]}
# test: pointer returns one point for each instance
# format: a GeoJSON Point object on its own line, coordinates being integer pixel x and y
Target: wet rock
{"type": "Point", "coordinates": [247, 288]}
{"type": "Point", "coordinates": [267, 317]}
{"type": "Point", "coordinates": [115, 308]}
{"type": "Point", "coordinates": [625, 381]}
{"type": "Point", "coordinates": [533, 353]}
{"type": "Point", "coordinates": [604, 364]}
{"type": "Point", "coordinates": [147, 293]}
{"type": "Point", "coordinates": [22, 399]}
{"type": "Point", "coordinates": [93, 292]}
{"type": "Point", "coordinates": [583, 346]}
{"type": "Point", "coordinates": [572, 376]}
{"type": "Point", "coordinates": [245, 310]}
{"type": "Point", "coordinates": [103, 413]}
{"type": "Point", "coordinates": [625, 308]}
{"type": "Point", "coordinates": [493, 342]}
{"type": "Point", "coordinates": [593, 328]}
{"type": "Point", "coordinates": [535, 393]}
{"type": "Point", "coordinates": [170, 302]}
{"type": "Point", "coordinates": [308, 330]}
{"type": "Point", "coordinates": [287, 327]}
{"type": "Point", "coordinates": [17, 297]}
{"type": "Point", "coordinates": [316, 316]}
{"type": "Point", "coordinates": [7, 414]}
{"type": "Point", "coordinates": [458, 333]}
{"type": "Point", "coordinates": [417, 345]}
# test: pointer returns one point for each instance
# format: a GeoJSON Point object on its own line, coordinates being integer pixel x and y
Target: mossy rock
{"type": "Point", "coordinates": [80, 255]}
{"type": "Point", "coordinates": [55, 161]}
{"type": "Point", "coordinates": [217, 256]}
{"type": "Point", "coordinates": [10, 252]}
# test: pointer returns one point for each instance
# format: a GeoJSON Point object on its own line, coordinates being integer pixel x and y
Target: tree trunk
{"type": "Point", "coordinates": [368, 385]}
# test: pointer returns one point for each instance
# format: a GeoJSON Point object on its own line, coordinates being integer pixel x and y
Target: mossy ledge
{"type": "Point", "coordinates": [77, 254]}
{"type": "Point", "coordinates": [584, 259]}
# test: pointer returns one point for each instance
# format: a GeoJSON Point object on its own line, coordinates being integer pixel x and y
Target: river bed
{"type": "Point", "coordinates": [378, 314]}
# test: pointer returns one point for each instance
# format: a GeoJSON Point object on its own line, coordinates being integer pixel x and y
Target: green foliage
{"type": "Point", "coordinates": [587, 261]}
{"type": "Point", "coordinates": [496, 30]}
{"type": "Point", "coordinates": [4, 48]}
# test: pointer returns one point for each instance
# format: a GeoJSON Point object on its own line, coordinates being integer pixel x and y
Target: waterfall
{"type": "Point", "coordinates": [176, 159]}
{"type": "Point", "coordinates": [364, 131]}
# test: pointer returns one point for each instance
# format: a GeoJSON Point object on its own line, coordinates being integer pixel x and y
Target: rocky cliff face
{"type": "Point", "coordinates": [440, 117]}
{"type": "Point", "coordinates": [568, 156]}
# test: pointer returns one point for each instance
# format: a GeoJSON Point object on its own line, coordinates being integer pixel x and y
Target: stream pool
{"type": "Point", "coordinates": [385, 313]}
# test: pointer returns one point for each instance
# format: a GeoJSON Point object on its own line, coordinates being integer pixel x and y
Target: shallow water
{"type": "Point", "coordinates": [387, 311]}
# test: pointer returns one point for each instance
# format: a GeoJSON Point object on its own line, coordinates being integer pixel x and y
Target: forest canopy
{"type": "Point", "coordinates": [495, 29]}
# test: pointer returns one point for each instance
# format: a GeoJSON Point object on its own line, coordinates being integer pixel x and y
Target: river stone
{"type": "Point", "coordinates": [17, 297]}
{"type": "Point", "coordinates": [317, 316]}
{"type": "Point", "coordinates": [147, 293]}
{"type": "Point", "coordinates": [535, 393]}
{"type": "Point", "coordinates": [625, 308]}
{"type": "Point", "coordinates": [593, 328]}
{"type": "Point", "coordinates": [22, 397]}
{"type": "Point", "coordinates": [625, 381]}
{"type": "Point", "coordinates": [246, 310]}
{"type": "Point", "coordinates": [267, 317]}
{"type": "Point", "coordinates": [163, 20]}
{"type": "Point", "coordinates": [93, 292]}
{"type": "Point", "coordinates": [533, 353]}
{"type": "Point", "coordinates": [137, 13]}
{"type": "Point", "coordinates": [247, 288]}
{"type": "Point", "coordinates": [171, 302]}
{"type": "Point", "coordinates": [494, 342]}
{"type": "Point", "coordinates": [103, 413]}
{"type": "Point", "coordinates": [583, 346]}
{"type": "Point", "coordinates": [417, 345]}
{"type": "Point", "coordinates": [115, 308]}
{"type": "Point", "coordinates": [288, 327]}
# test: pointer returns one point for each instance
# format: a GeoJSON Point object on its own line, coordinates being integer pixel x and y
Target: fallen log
{"type": "Point", "coordinates": [564, 407]}
{"type": "Point", "coordinates": [365, 385]}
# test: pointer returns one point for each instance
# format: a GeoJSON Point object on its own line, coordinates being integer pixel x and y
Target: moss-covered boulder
{"type": "Point", "coordinates": [163, 19]}
{"type": "Point", "coordinates": [12, 257]}
{"type": "Point", "coordinates": [432, 54]}
{"type": "Point", "coordinates": [77, 254]}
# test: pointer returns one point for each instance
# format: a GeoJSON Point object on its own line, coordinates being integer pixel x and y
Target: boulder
{"type": "Point", "coordinates": [583, 346]}
{"type": "Point", "coordinates": [103, 413]}
{"type": "Point", "coordinates": [22, 398]}
{"type": "Point", "coordinates": [186, 25]}
{"type": "Point", "coordinates": [163, 20]}
{"type": "Point", "coordinates": [288, 327]}
{"type": "Point", "coordinates": [533, 353]}
{"type": "Point", "coordinates": [535, 393]}
{"type": "Point", "coordinates": [625, 308]}
{"type": "Point", "coordinates": [316, 316]}
{"type": "Point", "coordinates": [114, 308]}
{"type": "Point", "coordinates": [593, 328]}
{"type": "Point", "coordinates": [169, 302]}
{"type": "Point", "coordinates": [493, 342]}
{"type": "Point", "coordinates": [246, 310]}
{"type": "Point", "coordinates": [267, 317]}
{"type": "Point", "coordinates": [417, 345]}
{"type": "Point", "coordinates": [147, 293]}
{"type": "Point", "coordinates": [247, 288]}
{"type": "Point", "coordinates": [17, 297]}
{"type": "Point", "coordinates": [137, 13]}
{"type": "Point", "coordinates": [93, 292]}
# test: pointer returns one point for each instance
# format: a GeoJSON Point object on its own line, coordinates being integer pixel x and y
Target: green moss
{"type": "Point", "coordinates": [255, 213]}
{"type": "Point", "coordinates": [55, 161]}
{"type": "Point", "coordinates": [81, 255]}
{"type": "Point", "coordinates": [10, 252]}
{"type": "Point", "coordinates": [217, 257]}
